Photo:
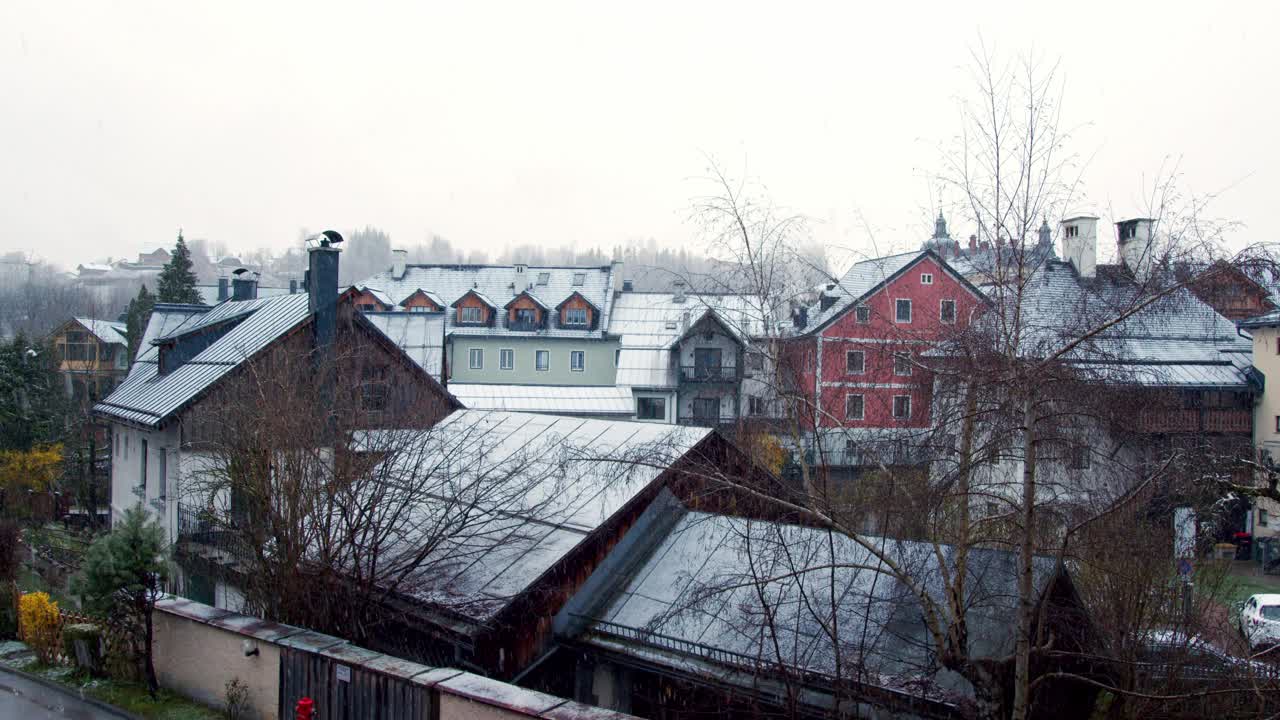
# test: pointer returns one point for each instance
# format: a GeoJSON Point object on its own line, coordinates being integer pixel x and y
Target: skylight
{"type": "Point", "coordinates": [544, 278]}
{"type": "Point", "coordinates": [579, 279]}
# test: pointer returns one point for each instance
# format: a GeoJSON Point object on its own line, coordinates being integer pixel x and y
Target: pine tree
{"type": "Point", "coordinates": [177, 281]}
{"type": "Point", "coordinates": [33, 402]}
{"type": "Point", "coordinates": [122, 576]}
{"type": "Point", "coordinates": [136, 319]}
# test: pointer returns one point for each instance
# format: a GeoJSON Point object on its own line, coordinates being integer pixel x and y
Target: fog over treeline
{"type": "Point", "coordinates": [37, 296]}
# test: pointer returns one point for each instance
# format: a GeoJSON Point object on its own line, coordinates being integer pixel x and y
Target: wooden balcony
{"type": "Point", "coordinates": [1194, 421]}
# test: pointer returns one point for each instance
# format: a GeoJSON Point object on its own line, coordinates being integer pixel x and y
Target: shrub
{"type": "Point", "coordinates": [40, 622]}
{"type": "Point", "coordinates": [236, 700]}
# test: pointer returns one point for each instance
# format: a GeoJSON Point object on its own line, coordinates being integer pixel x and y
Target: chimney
{"type": "Point", "coordinates": [684, 321]}
{"type": "Point", "coordinates": [520, 279]}
{"type": "Point", "coordinates": [244, 285]}
{"type": "Point", "coordinates": [399, 260]}
{"type": "Point", "coordinates": [1046, 234]}
{"type": "Point", "coordinates": [973, 243]}
{"type": "Point", "coordinates": [678, 295]}
{"type": "Point", "coordinates": [293, 286]}
{"type": "Point", "coordinates": [322, 291]}
{"type": "Point", "coordinates": [223, 290]}
{"type": "Point", "coordinates": [800, 317]}
{"type": "Point", "coordinates": [826, 299]}
{"type": "Point", "coordinates": [1136, 250]}
{"type": "Point", "coordinates": [1080, 244]}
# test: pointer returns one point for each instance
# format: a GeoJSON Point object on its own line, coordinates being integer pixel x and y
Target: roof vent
{"type": "Point", "coordinates": [679, 295]}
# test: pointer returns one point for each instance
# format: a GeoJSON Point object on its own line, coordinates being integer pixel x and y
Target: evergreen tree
{"type": "Point", "coordinates": [177, 280]}
{"type": "Point", "coordinates": [33, 401]}
{"type": "Point", "coordinates": [122, 576]}
{"type": "Point", "coordinates": [136, 319]}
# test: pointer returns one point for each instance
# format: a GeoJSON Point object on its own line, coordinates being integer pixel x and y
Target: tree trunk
{"type": "Point", "coordinates": [150, 668]}
{"type": "Point", "coordinates": [1026, 603]}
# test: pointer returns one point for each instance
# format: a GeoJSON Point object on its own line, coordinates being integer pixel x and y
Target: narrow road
{"type": "Point", "coordinates": [21, 698]}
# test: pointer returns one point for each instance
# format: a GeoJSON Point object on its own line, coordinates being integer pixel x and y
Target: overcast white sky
{"type": "Point", "coordinates": [543, 122]}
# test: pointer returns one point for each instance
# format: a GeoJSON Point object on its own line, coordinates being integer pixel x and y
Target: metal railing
{"type": "Point", "coordinates": [709, 373]}
{"type": "Point", "coordinates": [706, 420]}
{"type": "Point", "coordinates": [204, 528]}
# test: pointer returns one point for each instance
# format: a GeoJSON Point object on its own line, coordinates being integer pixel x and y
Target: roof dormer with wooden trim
{"type": "Point", "coordinates": [576, 312]}
{"type": "Point", "coordinates": [422, 301]}
{"type": "Point", "coordinates": [474, 310]}
{"type": "Point", "coordinates": [526, 312]}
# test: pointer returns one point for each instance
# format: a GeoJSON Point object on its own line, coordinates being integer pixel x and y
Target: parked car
{"type": "Point", "coordinates": [1260, 621]}
{"type": "Point", "coordinates": [1172, 655]}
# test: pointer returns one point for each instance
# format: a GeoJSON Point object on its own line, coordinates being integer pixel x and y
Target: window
{"type": "Point", "coordinates": [544, 278]}
{"type": "Point", "coordinates": [855, 362]}
{"type": "Point", "coordinates": [1262, 517]}
{"type": "Point", "coordinates": [651, 408]}
{"type": "Point", "coordinates": [993, 509]}
{"type": "Point", "coordinates": [902, 407]}
{"type": "Point", "coordinates": [755, 362]}
{"type": "Point", "coordinates": [706, 409]}
{"type": "Point", "coordinates": [142, 479]}
{"type": "Point", "coordinates": [1278, 423]}
{"type": "Point", "coordinates": [1072, 231]}
{"type": "Point", "coordinates": [902, 363]}
{"type": "Point", "coordinates": [419, 308]}
{"type": "Point", "coordinates": [1127, 232]}
{"type": "Point", "coordinates": [164, 473]}
{"type": "Point", "coordinates": [577, 360]}
{"type": "Point", "coordinates": [670, 325]}
{"type": "Point", "coordinates": [926, 278]}
{"type": "Point", "coordinates": [575, 316]}
{"type": "Point", "coordinates": [475, 358]}
{"type": "Point", "coordinates": [1079, 457]}
{"type": "Point", "coordinates": [755, 405]}
{"type": "Point", "coordinates": [862, 314]}
{"type": "Point", "coordinates": [854, 406]}
{"type": "Point", "coordinates": [579, 279]}
{"type": "Point", "coordinates": [542, 360]}
{"type": "Point", "coordinates": [948, 312]}
{"type": "Point", "coordinates": [126, 447]}
{"type": "Point", "coordinates": [470, 315]}
{"type": "Point", "coordinates": [526, 316]}
{"type": "Point", "coordinates": [507, 359]}
{"type": "Point", "coordinates": [617, 357]}
{"type": "Point", "coordinates": [903, 308]}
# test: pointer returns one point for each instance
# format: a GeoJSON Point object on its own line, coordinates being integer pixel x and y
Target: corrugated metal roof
{"type": "Point", "coordinates": [148, 398]}
{"type": "Point", "coordinates": [495, 285]}
{"type": "Point", "coordinates": [209, 293]}
{"type": "Point", "coordinates": [420, 335]}
{"type": "Point", "coordinates": [221, 312]}
{"type": "Point", "coordinates": [111, 333]}
{"type": "Point", "coordinates": [570, 476]}
{"type": "Point", "coordinates": [565, 400]}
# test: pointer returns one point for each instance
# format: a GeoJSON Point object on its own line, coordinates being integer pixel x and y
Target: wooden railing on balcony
{"type": "Point", "coordinates": [1193, 420]}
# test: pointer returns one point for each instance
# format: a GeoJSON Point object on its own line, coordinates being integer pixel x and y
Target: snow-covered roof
{"type": "Point", "coordinates": [862, 278]}
{"type": "Point", "coordinates": [381, 295]}
{"type": "Point", "coordinates": [148, 398]}
{"type": "Point", "coordinates": [420, 335]}
{"type": "Point", "coordinates": [649, 324]}
{"type": "Point", "coordinates": [555, 399]}
{"type": "Point", "coordinates": [111, 333]}
{"type": "Point", "coordinates": [571, 475]}
{"type": "Point", "coordinates": [701, 583]}
{"type": "Point", "coordinates": [209, 293]}
{"type": "Point", "coordinates": [497, 284]}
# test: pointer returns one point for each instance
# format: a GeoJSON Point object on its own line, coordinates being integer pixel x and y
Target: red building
{"type": "Point", "coordinates": [858, 350]}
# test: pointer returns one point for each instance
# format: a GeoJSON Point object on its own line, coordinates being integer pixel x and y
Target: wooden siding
{"type": "Point", "coordinates": [419, 299]}
{"type": "Point", "coordinates": [469, 301]}
{"type": "Point", "coordinates": [576, 301]}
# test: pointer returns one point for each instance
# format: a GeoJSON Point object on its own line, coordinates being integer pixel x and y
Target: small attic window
{"type": "Point", "coordinates": [579, 279]}
{"type": "Point", "coordinates": [671, 325]}
{"type": "Point", "coordinates": [544, 278]}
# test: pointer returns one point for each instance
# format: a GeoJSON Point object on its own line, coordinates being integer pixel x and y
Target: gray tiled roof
{"type": "Point", "coordinates": [148, 398]}
{"type": "Point", "coordinates": [495, 284]}
{"type": "Point", "coordinates": [860, 279]}
{"type": "Point", "coordinates": [420, 335]}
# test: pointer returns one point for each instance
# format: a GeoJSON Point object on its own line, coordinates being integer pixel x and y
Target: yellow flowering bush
{"type": "Point", "coordinates": [40, 622]}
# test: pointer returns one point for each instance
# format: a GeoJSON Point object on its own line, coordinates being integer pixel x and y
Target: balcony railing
{"type": "Point", "coordinates": [526, 325]}
{"type": "Point", "coordinates": [215, 537]}
{"type": "Point", "coordinates": [1194, 421]}
{"type": "Point", "coordinates": [709, 373]}
{"type": "Point", "coordinates": [706, 420]}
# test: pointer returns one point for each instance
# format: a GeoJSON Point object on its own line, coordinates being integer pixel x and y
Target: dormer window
{"type": "Point", "coordinates": [575, 316]}
{"type": "Point", "coordinates": [544, 278]}
{"type": "Point", "coordinates": [579, 279]}
{"type": "Point", "coordinates": [470, 315]}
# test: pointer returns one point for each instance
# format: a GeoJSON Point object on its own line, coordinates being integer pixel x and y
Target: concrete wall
{"type": "Point", "coordinates": [198, 649]}
{"type": "Point", "coordinates": [600, 367]}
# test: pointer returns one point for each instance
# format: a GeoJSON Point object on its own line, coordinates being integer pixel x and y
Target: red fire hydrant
{"type": "Point", "coordinates": [305, 709]}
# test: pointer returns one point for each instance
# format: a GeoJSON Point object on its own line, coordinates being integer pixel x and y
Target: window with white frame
{"type": "Point", "coordinates": [471, 314]}
{"type": "Point", "coordinates": [542, 360]}
{"type": "Point", "coordinates": [755, 361]}
{"type": "Point", "coordinates": [902, 407]}
{"type": "Point", "coordinates": [475, 358]}
{"type": "Point", "coordinates": [575, 316]}
{"type": "Point", "coordinates": [854, 406]}
{"type": "Point", "coordinates": [901, 363]}
{"type": "Point", "coordinates": [507, 359]}
{"type": "Point", "coordinates": [577, 360]}
{"type": "Point", "coordinates": [926, 278]}
{"type": "Point", "coordinates": [855, 362]}
{"type": "Point", "coordinates": [902, 310]}
{"type": "Point", "coordinates": [651, 408]}
{"type": "Point", "coordinates": [947, 312]}
{"type": "Point", "coordinates": [755, 405]}
{"type": "Point", "coordinates": [862, 314]}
